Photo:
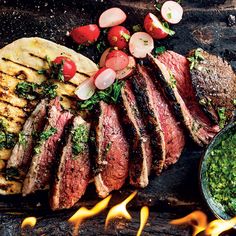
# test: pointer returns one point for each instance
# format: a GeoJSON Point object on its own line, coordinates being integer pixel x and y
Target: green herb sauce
{"type": "Point", "coordinates": [195, 58]}
{"type": "Point", "coordinates": [221, 174]}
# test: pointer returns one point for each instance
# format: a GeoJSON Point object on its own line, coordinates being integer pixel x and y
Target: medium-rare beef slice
{"type": "Point", "coordinates": [22, 152]}
{"type": "Point", "coordinates": [112, 151]}
{"type": "Point", "coordinates": [173, 134]}
{"type": "Point", "coordinates": [139, 140]}
{"type": "Point", "coordinates": [214, 82]}
{"type": "Point", "coordinates": [73, 173]}
{"type": "Point", "coordinates": [201, 132]}
{"type": "Point", "coordinates": [39, 174]}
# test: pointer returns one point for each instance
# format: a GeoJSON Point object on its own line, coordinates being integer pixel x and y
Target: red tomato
{"type": "Point", "coordinates": [69, 67]}
{"type": "Point", "coordinates": [116, 60]}
{"type": "Point", "coordinates": [154, 27]}
{"type": "Point", "coordinates": [85, 34]}
{"type": "Point", "coordinates": [118, 36]}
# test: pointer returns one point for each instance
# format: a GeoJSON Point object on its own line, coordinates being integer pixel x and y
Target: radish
{"type": "Point", "coordinates": [128, 70]}
{"type": "Point", "coordinates": [112, 17]}
{"type": "Point", "coordinates": [117, 60]}
{"type": "Point", "coordinates": [140, 44]}
{"type": "Point", "coordinates": [86, 89]}
{"type": "Point", "coordinates": [172, 12]}
{"type": "Point", "coordinates": [103, 57]}
{"type": "Point", "coordinates": [104, 78]}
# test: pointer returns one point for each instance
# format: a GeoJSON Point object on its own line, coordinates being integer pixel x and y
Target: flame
{"type": "Point", "coordinates": [120, 210]}
{"type": "Point", "coordinates": [197, 219]}
{"type": "Point", "coordinates": [83, 213]}
{"type": "Point", "coordinates": [29, 221]}
{"type": "Point", "coordinates": [216, 227]}
{"type": "Point", "coordinates": [144, 214]}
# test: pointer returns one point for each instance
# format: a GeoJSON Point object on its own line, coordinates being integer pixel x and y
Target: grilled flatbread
{"type": "Point", "coordinates": [20, 61]}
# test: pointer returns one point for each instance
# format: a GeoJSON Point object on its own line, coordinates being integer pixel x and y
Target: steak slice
{"type": "Point", "coordinates": [141, 154]}
{"type": "Point", "coordinates": [73, 173]}
{"type": "Point", "coordinates": [39, 174]}
{"type": "Point", "coordinates": [214, 82]}
{"type": "Point", "coordinates": [112, 151]}
{"type": "Point", "coordinates": [20, 158]}
{"type": "Point", "coordinates": [160, 114]}
{"type": "Point", "coordinates": [201, 132]}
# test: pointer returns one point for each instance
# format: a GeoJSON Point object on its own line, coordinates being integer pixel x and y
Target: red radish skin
{"type": "Point", "coordinates": [104, 78]}
{"type": "Point", "coordinates": [118, 36]}
{"type": "Point", "coordinates": [172, 12]}
{"type": "Point", "coordinates": [127, 71]}
{"type": "Point", "coordinates": [112, 17]}
{"type": "Point", "coordinates": [86, 89]}
{"type": "Point", "coordinates": [117, 60]}
{"type": "Point", "coordinates": [140, 44]}
{"type": "Point", "coordinates": [85, 35]}
{"type": "Point", "coordinates": [154, 27]}
{"type": "Point", "coordinates": [68, 68]}
{"type": "Point", "coordinates": [103, 57]}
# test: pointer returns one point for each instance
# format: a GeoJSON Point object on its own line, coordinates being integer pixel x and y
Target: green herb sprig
{"type": "Point", "coordinates": [195, 58]}
{"type": "Point", "coordinates": [223, 118]}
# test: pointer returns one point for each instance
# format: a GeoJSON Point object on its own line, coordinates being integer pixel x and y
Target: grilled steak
{"type": "Point", "coordinates": [141, 155]}
{"type": "Point", "coordinates": [43, 160]}
{"type": "Point", "coordinates": [166, 134]}
{"type": "Point", "coordinates": [73, 173]}
{"type": "Point", "coordinates": [22, 152]}
{"type": "Point", "coordinates": [112, 151]}
{"type": "Point", "coordinates": [200, 129]}
{"type": "Point", "coordinates": [214, 82]}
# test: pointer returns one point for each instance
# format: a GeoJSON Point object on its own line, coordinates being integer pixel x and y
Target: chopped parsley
{"type": "Point", "coordinates": [137, 28]}
{"type": "Point", "coordinates": [22, 139]}
{"type": "Point", "coordinates": [108, 147]}
{"type": "Point", "coordinates": [44, 136]}
{"type": "Point", "coordinates": [195, 58]}
{"type": "Point", "coordinates": [158, 6]}
{"type": "Point", "coordinates": [109, 95]}
{"type": "Point", "coordinates": [159, 50]}
{"type": "Point", "coordinates": [125, 36]}
{"type": "Point", "coordinates": [234, 101]}
{"type": "Point", "coordinates": [167, 28]}
{"type": "Point", "coordinates": [3, 124]}
{"type": "Point", "coordinates": [172, 80]}
{"type": "Point", "coordinates": [80, 137]}
{"type": "Point", "coordinates": [223, 118]}
{"type": "Point", "coordinates": [169, 15]}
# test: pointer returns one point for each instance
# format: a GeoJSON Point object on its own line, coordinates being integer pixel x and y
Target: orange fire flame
{"type": "Point", "coordinates": [196, 219]}
{"type": "Point", "coordinates": [216, 227]}
{"type": "Point", "coordinates": [29, 221]}
{"type": "Point", "coordinates": [83, 213]}
{"type": "Point", "coordinates": [144, 214]}
{"type": "Point", "coordinates": [119, 210]}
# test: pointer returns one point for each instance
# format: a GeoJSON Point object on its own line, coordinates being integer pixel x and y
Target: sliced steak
{"type": "Point", "coordinates": [20, 158]}
{"type": "Point", "coordinates": [167, 136]}
{"type": "Point", "coordinates": [200, 130]}
{"type": "Point", "coordinates": [44, 158]}
{"type": "Point", "coordinates": [140, 146]}
{"type": "Point", "coordinates": [112, 151]}
{"type": "Point", "coordinates": [214, 82]}
{"type": "Point", "coordinates": [73, 173]}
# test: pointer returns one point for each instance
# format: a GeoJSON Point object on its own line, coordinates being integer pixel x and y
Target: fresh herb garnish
{"type": "Point", "coordinates": [7, 140]}
{"type": "Point", "coordinates": [109, 95]}
{"type": "Point", "coordinates": [80, 137]}
{"type": "Point", "coordinates": [45, 135]}
{"type": "Point", "coordinates": [108, 147]}
{"type": "Point", "coordinates": [169, 15]}
{"type": "Point", "coordinates": [223, 118]}
{"type": "Point", "coordinates": [3, 124]}
{"type": "Point", "coordinates": [195, 58]}
{"type": "Point", "coordinates": [101, 45]}
{"type": "Point", "coordinates": [125, 36]}
{"type": "Point", "coordinates": [167, 28]}
{"type": "Point", "coordinates": [22, 139]}
{"type": "Point", "coordinates": [172, 80]}
{"type": "Point", "coordinates": [159, 50]}
{"type": "Point", "coordinates": [158, 6]}
{"type": "Point", "coordinates": [234, 101]}
{"type": "Point", "coordinates": [137, 28]}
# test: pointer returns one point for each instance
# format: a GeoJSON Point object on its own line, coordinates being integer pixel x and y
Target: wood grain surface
{"type": "Point", "coordinates": [176, 192]}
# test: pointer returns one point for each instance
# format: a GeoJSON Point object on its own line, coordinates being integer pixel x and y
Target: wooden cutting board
{"type": "Point", "coordinates": [173, 194]}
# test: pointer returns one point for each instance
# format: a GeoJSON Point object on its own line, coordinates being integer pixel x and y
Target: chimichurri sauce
{"type": "Point", "coordinates": [221, 173]}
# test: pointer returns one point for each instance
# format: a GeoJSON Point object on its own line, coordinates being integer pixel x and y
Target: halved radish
{"type": "Point", "coordinates": [117, 60]}
{"type": "Point", "coordinates": [103, 57]}
{"type": "Point", "coordinates": [140, 44]}
{"type": "Point", "coordinates": [128, 70]}
{"type": "Point", "coordinates": [112, 17]}
{"type": "Point", "coordinates": [86, 89]}
{"type": "Point", "coordinates": [172, 12]}
{"type": "Point", "coordinates": [104, 78]}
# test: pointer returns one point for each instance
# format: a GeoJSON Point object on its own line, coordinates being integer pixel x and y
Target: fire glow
{"type": "Point", "coordinates": [119, 210]}
{"type": "Point", "coordinates": [144, 214]}
{"type": "Point", "coordinates": [198, 220]}
{"type": "Point", "coordinates": [29, 221]}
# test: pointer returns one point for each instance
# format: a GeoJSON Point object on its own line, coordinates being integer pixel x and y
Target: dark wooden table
{"type": "Point", "coordinates": [176, 192]}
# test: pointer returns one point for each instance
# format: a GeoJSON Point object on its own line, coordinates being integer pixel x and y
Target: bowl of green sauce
{"type": "Point", "coordinates": [218, 173]}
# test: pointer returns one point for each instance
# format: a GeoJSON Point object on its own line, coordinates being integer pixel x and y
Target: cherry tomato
{"type": "Point", "coordinates": [68, 68]}
{"type": "Point", "coordinates": [117, 60]}
{"type": "Point", "coordinates": [118, 36]}
{"type": "Point", "coordinates": [86, 34]}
